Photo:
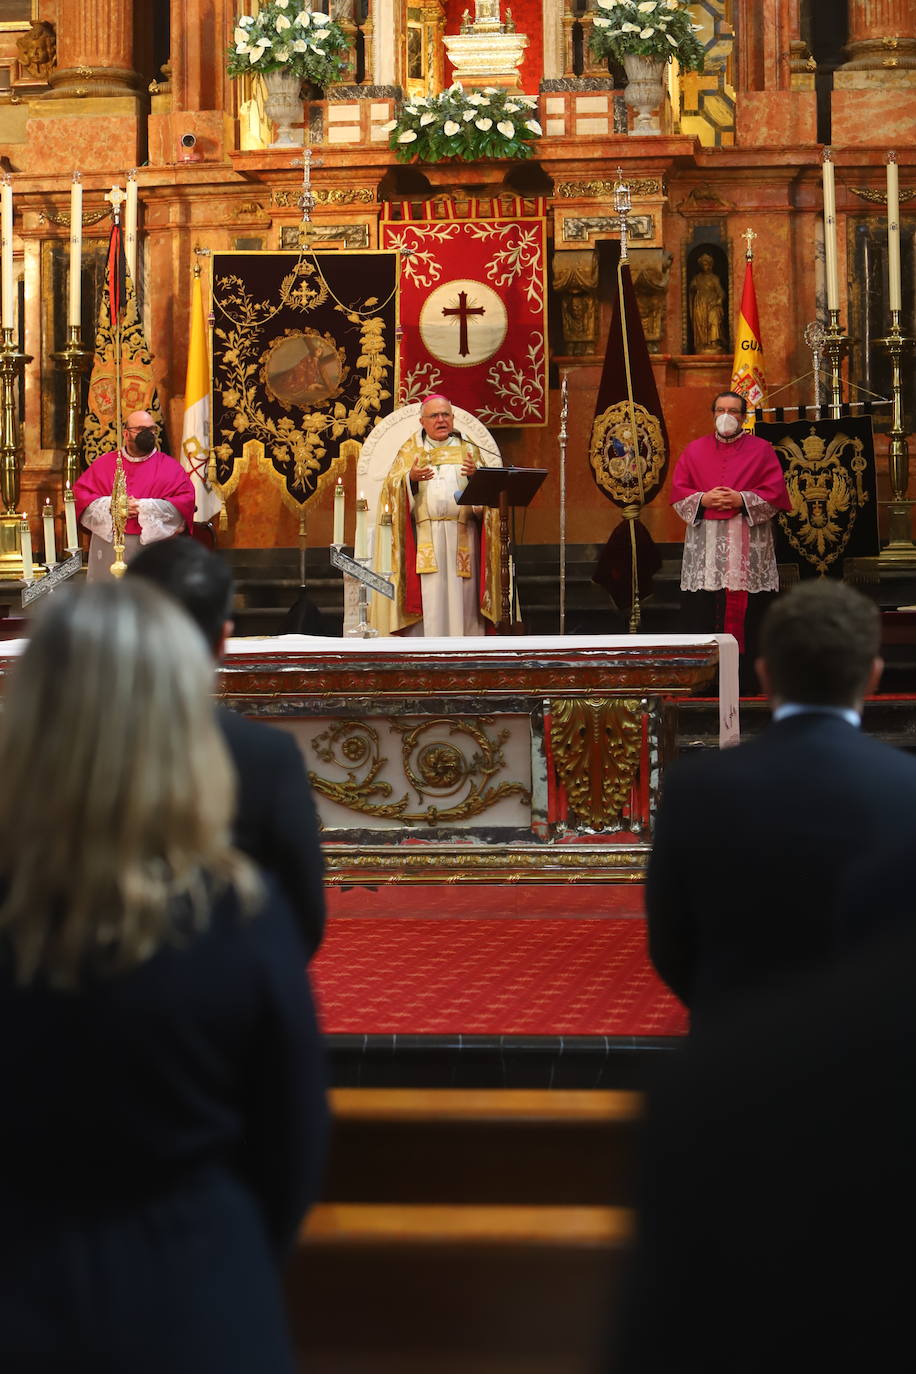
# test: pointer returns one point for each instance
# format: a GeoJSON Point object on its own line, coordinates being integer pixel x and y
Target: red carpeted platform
{"type": "Point", "coordinates": [512, 975]}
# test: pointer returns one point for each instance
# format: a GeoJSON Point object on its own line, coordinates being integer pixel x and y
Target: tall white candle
{"type": "Point", "coordinates": [47, 520]}
{"type": "Point", "coordinates": [25, 548]}
{"type": "Point", "coordinates": [893, 234]}
{"type": "Point", "coordinates": [130, 226]}
{"type": "Point", "coordinates": [361, 540]}
{"type": "Point", "coordinates": [7, 308]}
{"type": "Point", "coordinates": [76, 250]}
{"type": "Point", "coordinates": [340, 507]}
{"type": "Point", "coordinates": [70, 519]}
{"type": "Point", "coordinates": [384, 548]}
{"type": "Point", "coordinates": [830, 249]}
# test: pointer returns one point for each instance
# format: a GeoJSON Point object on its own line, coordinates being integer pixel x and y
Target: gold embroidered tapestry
{"type": "Point", "coordinates": [304, 356]}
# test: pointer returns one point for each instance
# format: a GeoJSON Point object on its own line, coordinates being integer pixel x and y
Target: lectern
{"type": "Point", "coordinates": [502, 488]}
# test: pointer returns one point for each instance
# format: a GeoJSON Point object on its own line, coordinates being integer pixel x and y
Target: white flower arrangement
{"type": "Point", "coordinates": [647, 28]}
{"type": "Point", "coordinates": [479, 124]}
{"type": "Point", "coordinates": [286, 36]}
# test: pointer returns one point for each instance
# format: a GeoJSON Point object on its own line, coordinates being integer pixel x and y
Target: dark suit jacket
{"type": "Point", "coordinates": [162, 1136]}
{"type": "Point", "coordinates": [775, 1226]}
{"type": "Point", "coordinates": [751, 848]}
{"type": "Point", "coordinates": [276, 822]}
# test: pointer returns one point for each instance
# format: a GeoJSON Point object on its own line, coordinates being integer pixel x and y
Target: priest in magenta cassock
{"type": "Point", "coordinates": [159, 493]}
{"type": "Point", "coordinates": [444, 557]}
{"type": "Point", "coordinates": [727, 487]}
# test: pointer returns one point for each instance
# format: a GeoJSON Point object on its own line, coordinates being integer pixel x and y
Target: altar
{"type": "Point", "coordinates": [523, 759]}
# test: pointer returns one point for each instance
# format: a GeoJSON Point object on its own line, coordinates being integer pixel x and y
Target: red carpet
{"type": "Point", "coordinates": [502, 975]}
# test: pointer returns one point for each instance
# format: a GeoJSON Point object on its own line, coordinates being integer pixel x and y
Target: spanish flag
{"type": "Point", "coordinates": [749, 370]}
{"type": "Point", "coordinates": [195, 434]}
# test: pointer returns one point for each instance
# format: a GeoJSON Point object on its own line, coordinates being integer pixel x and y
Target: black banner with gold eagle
{"type": "Point", "coordinates": [304, 355]}
{"type": "Point", "coordinates": [829, 467]}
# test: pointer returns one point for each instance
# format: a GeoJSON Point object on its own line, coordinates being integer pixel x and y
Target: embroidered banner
{"type": "Point", "coordinates": [829, 467]}
{"type": "Point", "coordinates": [303, 360]}
{"type": "Point", "coordinates": [474, 304]}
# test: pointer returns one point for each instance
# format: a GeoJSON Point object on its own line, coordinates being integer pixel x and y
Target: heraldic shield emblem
{"type": "Point", "coordinates": [620, 460]}
{"type": "Point", "coordinates": [829, 467]}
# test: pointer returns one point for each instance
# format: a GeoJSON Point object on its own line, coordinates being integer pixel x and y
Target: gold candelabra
{"type": "Point", "coordinates": [73, 360]}
{"type": "Point", "coordinates": [835, 341]}
{"type": "Point", "coordinates": [12, 363]}
{"type": "Point", "coordinates": [900, 540]}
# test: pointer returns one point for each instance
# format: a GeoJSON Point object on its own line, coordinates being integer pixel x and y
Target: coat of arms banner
{"type": "Point", "coordinates": [829, 467]}
{"type": "Point", "coordinates": [304, 360]}
{"type": "Point", "coordinates": [474, 304]}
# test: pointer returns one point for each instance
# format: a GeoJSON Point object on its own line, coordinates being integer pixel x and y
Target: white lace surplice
{"type": "Point", "coordinates": [735, 554]}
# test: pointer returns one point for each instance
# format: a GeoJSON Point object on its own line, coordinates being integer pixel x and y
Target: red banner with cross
{"type": "Point", "coordinates": [473, 304]}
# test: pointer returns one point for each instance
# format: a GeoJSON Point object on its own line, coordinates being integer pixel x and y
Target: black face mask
{"type": "Point", "coordinates": [144, 441]}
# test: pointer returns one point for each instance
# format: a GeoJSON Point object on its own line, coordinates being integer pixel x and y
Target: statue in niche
{"type": "Point", "coordinates": [706, 296]}
{"type": "Point", "coordinates": [37, 49]}
{"type": "Point", "coordinates": [575, 279]}
{"type": "Point", "coordinates": [651, 285]}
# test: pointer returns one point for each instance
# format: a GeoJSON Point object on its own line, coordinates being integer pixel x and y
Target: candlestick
{"type": "Point", "coordinates": [384, 547]}
{"type": "Point", "coordinates": [47, 520]}
{"type": "Point", "coordinates": [830, 247]}
{"type": "Point", "coordinates": [893, 235]}
{"type": "Point", "coordinates": [7, 307]}
{"type": "Point", "coordinates": [899, 548]}
{"type": "Point", "coordinates": [340, 508]}
{"type": "Point", "coordinates": [361, 540]}
{"type": "Point", "coordinates": [25, 548]}
{"type": "Point", "coordinates": [835, 341]}
{"type": "Point", "coordinates": [73, 542]}
{"type": "Point", "coordinates": [130, 226]}
{"type": "Point", "coordinates": [76, 250]}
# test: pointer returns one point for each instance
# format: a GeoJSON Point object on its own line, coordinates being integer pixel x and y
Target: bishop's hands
{"type": "Point", "coordinates": [422, 472]}
{"type": "Point", "coordinates": [721, 498]}
{"type": "Point", "coordinates": [133, 508]}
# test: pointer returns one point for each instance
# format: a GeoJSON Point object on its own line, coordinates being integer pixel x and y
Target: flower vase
{"type": "Point", "coordinates": [284, 106]}
{"type": "Point", "coordinates": [645, 91]}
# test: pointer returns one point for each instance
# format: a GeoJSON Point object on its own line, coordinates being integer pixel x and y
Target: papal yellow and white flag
{"type": "Point", "coordinates": [749, 370]}
{"type": "Point", "coordinates": [195, 434]}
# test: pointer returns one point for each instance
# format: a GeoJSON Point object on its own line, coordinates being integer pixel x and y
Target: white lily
{"type": "Point", "coordinates": [484, 124]}
{"type": "Point", "coordinates": [450, 127]}
{"type": "Point", "coordinates": [629, 28]}
{"type": "Point", "coordinates": [467, 115]}
{"type": "Point", "coordinates": [646, 7]}
{"type": "Point", "coordinates": [320, 19]}
{"type": "Point", "coordinates": [533, 125]}
{"type": "Point", "coordinates": [511, 108]}
{"type": "Point", "coordinates": [300, 45]}
{"type": "Point", "coordinates": [671, 40]}
{"type": "Point", "coordinates": [646, 33]}
{"type": "Point", "coordinates": [246, 21]}
{"type": "Point", "coordinates": [283, 23]}
{"type": "Point", "coordinates": [408, 136]}
{"type": "Point", "coordinates": [427, 118]}
{"type": "Point", "coordinates": [506, 128]}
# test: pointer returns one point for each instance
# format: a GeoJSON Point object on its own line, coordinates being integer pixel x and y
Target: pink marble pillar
{"type": "Point", "coordinates": [882, 38]}
{"type": "Point", "coordinates": [95, 50]}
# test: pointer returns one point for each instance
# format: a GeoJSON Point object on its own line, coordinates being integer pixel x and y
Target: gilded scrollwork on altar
{"type": "Point", "coordinates": [425, 771]}
{"type": "Point", "coordinates": [596, 746]}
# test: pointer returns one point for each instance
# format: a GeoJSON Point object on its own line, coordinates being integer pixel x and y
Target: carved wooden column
{"type": "Point", "coordinates": [882, 41]}
{"type": "Point", "coordinates": [95, 40]}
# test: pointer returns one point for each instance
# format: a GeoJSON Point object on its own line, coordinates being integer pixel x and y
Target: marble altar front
{"type": "Point", "coordinates": [528, 759]}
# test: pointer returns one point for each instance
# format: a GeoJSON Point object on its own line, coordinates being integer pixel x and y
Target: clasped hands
{"type": "Point", "coordinates": [721, 498]}
{"type": "Point", "coordinates": [423, 473]}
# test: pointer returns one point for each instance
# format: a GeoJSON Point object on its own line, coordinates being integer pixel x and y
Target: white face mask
{"type": "Point", "coordinates": [727, 425]}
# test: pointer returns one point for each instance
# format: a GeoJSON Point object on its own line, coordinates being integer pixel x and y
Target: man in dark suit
{"type": "Point", "coordinates": [777, 1200]}
{"type": "Point", "coordinates": [276, 822]}
{"type": "Point", "coordinates": [752, 844]}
